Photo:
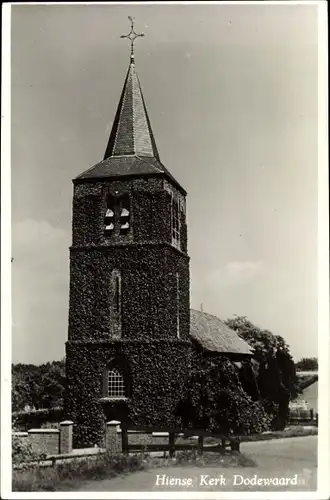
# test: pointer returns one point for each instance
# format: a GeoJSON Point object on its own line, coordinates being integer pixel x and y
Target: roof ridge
{"type": "Point", "coordinates": [121, 112]}
{"type": "Point", "coordinates": [133, 108]}
{"type": "Point", "coordinates": [207, 313]}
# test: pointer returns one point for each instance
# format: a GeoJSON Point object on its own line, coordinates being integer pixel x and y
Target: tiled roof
{"type": "Point", "coordinates": [116, 166]}
{"type": "Point", "coordinates": [131, 149]}
{"type": "Point", "coordinates": [131, 132]}
{"type": "Point", "coordinates": [214, 335]}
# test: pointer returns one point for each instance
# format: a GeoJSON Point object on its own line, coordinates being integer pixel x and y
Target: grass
{"type": "Point", "coordinates": [66, 476]}
{"type": "Point", "coordinates": [70, 475]}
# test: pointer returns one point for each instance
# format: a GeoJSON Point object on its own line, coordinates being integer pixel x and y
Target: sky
{"type": "Point", "coordinates": [231, 92]}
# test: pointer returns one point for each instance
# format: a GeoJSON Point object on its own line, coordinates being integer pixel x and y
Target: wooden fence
{"type": "Point", "coordinates": [173, 436]}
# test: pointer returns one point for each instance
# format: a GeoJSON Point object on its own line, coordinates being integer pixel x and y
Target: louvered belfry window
{"type": "Point", "coordinates": [109, 219]}
{"type": "Point", "coordinates": [117, 218]}
{"type": "Point", "coordinates": [124, 214]}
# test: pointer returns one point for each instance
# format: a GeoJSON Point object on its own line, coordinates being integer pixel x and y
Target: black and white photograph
{"type": "Point", "coordinates": [165, 250]}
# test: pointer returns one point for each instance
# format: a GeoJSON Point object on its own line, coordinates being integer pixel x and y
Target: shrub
{"type": "Point", "coordinates": [305, 381]}
{"type": "Point", "coordinates": [216, 400]}
{"type": "Point", "coordinates": [275, 369]}
{"type": "Point", "coordinates": [37, 418]}
{"type": "Point", "coordinates": [185, 456]}
{"type": "Point", "coordinates": [307, 364]}
{"type": "Point", "coordinates": [22, 452]}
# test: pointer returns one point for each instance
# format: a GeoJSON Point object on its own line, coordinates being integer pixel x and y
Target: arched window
{"type": "Point", "coordinates": [117, 378]}
{"type": "Point", "coordinates": [116, 384]}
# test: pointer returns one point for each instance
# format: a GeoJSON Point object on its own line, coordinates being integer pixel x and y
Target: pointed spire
{"type": "Point", "coordinates": [131, 149]}
{"type": "Point", "coordinates": [131, 133]}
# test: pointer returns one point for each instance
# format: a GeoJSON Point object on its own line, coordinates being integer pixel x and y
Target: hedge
{"type": "Point", "coordinates": [24, 421]}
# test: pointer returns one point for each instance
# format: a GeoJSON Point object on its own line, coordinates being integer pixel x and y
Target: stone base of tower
{"type": "Point", "coordinates": [155, 373]}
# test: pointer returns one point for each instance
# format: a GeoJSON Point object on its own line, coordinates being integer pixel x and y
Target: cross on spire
{"type": "Point", "coordinates": [132, 35]}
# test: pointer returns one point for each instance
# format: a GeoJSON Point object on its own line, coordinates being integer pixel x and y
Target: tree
{"type": "Point", "coordinates": [39, 387]}
{"type": "Point", "coordinates": [53, 386]}
{"type": "Point", "coordinates": [20, 393]}
{"type": "Point", "coordinates": [25, 386]}
{"type": "Point", "coordinates": [276, 376]}
{"type": "Point", "coordinates": [307, 364]}
{"type": "Point", "coordinates": [216, 400]}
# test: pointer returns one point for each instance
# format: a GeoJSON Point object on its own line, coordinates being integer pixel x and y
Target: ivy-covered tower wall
{"type": "Point", "coordinates": [144, 323]}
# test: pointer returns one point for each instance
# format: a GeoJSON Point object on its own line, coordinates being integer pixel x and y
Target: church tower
{"type": "Point", "coordinates": [128, 346]}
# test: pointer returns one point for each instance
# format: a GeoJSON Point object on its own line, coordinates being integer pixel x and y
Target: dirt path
{"type": "Point", "coordinates": [294, 459]}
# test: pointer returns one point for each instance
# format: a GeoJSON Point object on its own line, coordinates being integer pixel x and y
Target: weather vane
{"type": "Point", "coordinates": [132, 35]}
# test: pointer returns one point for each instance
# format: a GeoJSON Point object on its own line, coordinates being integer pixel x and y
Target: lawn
{"type": "Point", "coordinates": [69, 476]}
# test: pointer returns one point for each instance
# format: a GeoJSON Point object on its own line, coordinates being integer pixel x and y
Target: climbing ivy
{"type": "Point", "coordinates": [159, 362]}
{"type": "Point", "coordinates": [157, 369]}
{"type": "Point", "coordinates": [157, 359]}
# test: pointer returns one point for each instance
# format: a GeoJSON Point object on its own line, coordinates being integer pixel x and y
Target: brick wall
{"type": "Point", "coordinates": [49, 441]}
{"type": "Point", "coordinates": [44, 441]}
